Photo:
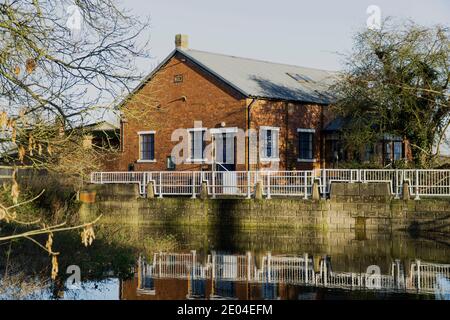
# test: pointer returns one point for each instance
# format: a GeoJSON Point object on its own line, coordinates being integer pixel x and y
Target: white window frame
{"type": "Point", "coordinates": [221, 131]}
{"type": "Point", "coordinates": [140, 134]}
{"type": "Point", "coordinates": [307, 130]}
{"type": "Point", "coordinates": [189, 158]}
{"type": "Point", "coordinates": [263, 157]}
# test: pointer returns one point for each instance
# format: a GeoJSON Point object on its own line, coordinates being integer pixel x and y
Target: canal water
{"type": "Point", "coordinates": [166, 262]}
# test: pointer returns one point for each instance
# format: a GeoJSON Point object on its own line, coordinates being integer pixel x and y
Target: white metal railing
{"type": "Point", "coordinates": [120, 178]}
{"type": "Point", "coordinates": [278, 183]}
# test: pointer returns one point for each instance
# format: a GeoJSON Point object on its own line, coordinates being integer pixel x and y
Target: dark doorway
{"type": "Point", "coordinates": [225, 152]}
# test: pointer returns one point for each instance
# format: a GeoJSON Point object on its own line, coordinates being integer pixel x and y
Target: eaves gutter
{"type": "Point", "coordinates": [290, 100]}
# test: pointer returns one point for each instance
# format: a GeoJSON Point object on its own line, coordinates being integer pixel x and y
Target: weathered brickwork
{"type": "Point", "coordinates": [289, 117]}
{"type": "Point", "coordinates": [163, 106]}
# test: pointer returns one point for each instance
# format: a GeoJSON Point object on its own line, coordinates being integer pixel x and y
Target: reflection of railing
{"type": "Point", "coordinates": [179, 265]}
{"type": "Point", "coordinates": [146, 284]}
{"type": "Point", "coordinates": [424, 276]}
{"type": "Point", "coordinates": [285, 269]}
{"type": "Point", "coordinates": [359, 281]}
{"type": "Point", "coordinates": [296, 270]}
{"type": "Point", "coordinates": [278, 183]}
{"type": "Point", "coordinates": [230, 267]}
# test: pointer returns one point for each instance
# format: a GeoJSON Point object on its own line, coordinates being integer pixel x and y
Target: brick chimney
{"type": "Point", "coordinates": [181, 41]}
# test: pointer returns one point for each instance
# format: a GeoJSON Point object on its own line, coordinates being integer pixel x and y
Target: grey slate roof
{"type": "Point", "coordinates": [100, 126]}
{"type": "Point", "coordinates": [263, 79]}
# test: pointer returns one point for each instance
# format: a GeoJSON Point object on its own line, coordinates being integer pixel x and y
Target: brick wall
{"type": "Point", "coordinates": [159, 106]}
{"type": "Point", "coordinates": [289, 117]}
{"type": "Point", "coordinates": [164, 106]}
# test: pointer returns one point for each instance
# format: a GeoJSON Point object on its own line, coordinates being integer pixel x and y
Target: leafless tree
{"type": "Point", "coordinates": [397, 82]}
{"type": "Point", "coordinates": [61, 61]}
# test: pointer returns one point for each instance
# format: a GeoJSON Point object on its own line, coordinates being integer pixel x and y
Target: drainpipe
{"type": "Point", "coordinates": [123, 122]}
{"type": "Point", "coordinates": [248, 136]}
{"type": "Point", "coordinates": [322, 148]}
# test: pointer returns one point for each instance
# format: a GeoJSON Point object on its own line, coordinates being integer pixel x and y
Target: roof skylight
{"type": "Point", "coordinates": [299, 77]}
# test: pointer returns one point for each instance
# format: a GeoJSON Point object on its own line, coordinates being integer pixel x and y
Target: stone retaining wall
{"type": "Point", "coordinates": [121, 204]}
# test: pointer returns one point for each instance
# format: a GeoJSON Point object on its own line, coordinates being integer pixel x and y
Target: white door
{"type": "Point", "coordinates": [230, 182]}
{"type": "Point", "coordinates": [224, 153]}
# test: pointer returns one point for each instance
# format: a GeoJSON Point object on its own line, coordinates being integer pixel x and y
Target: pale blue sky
{"type": "Point", "coordinates": [307, 33]}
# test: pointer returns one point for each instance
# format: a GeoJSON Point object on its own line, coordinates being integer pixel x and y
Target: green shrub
{"type": "Point", "coordinates": [59, 199]}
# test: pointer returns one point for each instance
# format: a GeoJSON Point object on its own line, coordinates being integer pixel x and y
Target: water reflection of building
{"type": "Point", "coordinates": [224, 276]}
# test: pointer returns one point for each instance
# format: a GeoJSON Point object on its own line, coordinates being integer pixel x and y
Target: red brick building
{"type": "Point", "coordinates": [214, 98]}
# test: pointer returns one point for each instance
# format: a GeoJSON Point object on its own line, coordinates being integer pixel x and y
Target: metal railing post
{"type": "Point", "coordinates": [193, 185]}
{"type": "Point", "coordinates": [213, 184]}
{"type": "Point", "coordinates": [160, 185]}
{"type": "Point", "coordinates": [417, 197]}
{"type": "Point", "coordinates": [306, 185]}
{"type": "Point", "coordinates": [101, 177]}
{"type": "Point", "coordinates": [323, 172]}
{"type": "Point", "coordinates": [145, 182]}
{"type": "Point", "coordinates": [268, 186]}
{"type": "Point", "coordinates": [397, 184]}
{"type": "Point", "coordinates": [248, 185]}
